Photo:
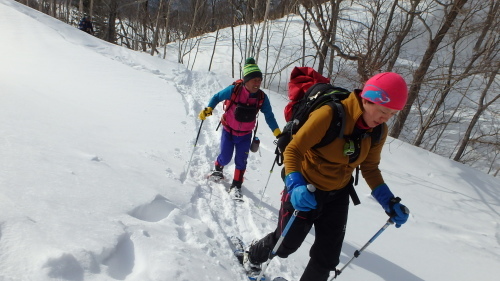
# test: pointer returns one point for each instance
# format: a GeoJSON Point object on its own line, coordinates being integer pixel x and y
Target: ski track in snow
{"type": "Point", "coordinates": [211, 202]}
{"type": "Point", "coordinates": [219, 216]}
{"type": "Point", "coordinates": [180, 230]}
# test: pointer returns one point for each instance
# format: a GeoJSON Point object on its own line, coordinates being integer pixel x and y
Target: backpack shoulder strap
{"type": "Point", "coordinates": [377, 133]}
{"type": "Point", "coordinates": [260, 98]}
{"type": "Point", "coordinates": [337, 125]}
{"type": "Point", "coordinates": [236, 90]}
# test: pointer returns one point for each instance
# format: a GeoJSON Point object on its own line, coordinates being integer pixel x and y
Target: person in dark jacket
{"type": "Point", "coordinates": [239, 120]}
{"type": "Point", "coordinates": [86, 25]}
{"type": "Point", "coordinates": [329, 170]}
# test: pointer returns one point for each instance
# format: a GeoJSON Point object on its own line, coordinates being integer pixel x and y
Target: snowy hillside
{"type": "Point", "coordinates": [95, 142]}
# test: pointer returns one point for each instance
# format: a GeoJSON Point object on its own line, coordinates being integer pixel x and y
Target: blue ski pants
{"type": "Point", "coordinates": [240, 145]}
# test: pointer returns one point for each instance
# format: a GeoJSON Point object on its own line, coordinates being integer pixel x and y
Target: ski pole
{"type": "Point", "coordinates": [311, 188]}
{"type": "Point", "coordinates": [278, 244]}
{"type": "Point", "coordinates": [198, 135]}
{"type": "Point", "coordinates": [194, 146]}
{"type": "Point", "coordinates": [358, 252]}
{"type": "Point", "coordinates": [268, 178]}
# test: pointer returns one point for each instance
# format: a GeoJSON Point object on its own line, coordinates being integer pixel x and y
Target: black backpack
{"type": "Point", "coordinates": [316, 96]}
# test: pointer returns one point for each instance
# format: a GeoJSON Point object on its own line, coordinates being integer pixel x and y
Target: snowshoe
{"type": "Point", "coordinates": [252, 270]}
{"type": "Point", "coordinates": [236, 194]}
{"type": "Point", "coordinates": [216, 176]}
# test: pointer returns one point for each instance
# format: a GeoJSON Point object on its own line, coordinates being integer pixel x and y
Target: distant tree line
{"type": "Point", "coordinates": [145, 24]}
{"type": "Point", "coordinates": [448, 50]}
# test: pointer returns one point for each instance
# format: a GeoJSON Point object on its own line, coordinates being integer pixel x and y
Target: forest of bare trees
{"type": "Point", "coordinates": [448, 50]}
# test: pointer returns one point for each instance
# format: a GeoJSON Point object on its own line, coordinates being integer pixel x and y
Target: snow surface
{"type": "Point", "coordinates": [95, 144]}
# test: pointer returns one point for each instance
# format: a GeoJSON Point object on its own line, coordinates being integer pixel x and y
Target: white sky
{"type": "Point", "coordinates": [95, 141]}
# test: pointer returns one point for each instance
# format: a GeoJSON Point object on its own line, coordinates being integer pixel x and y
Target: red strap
{"type": "Point", "coordinates": [237, 89]}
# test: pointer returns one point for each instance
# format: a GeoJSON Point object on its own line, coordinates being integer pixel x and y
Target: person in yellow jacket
{"type": "Point", "coordinates": [329, 169]}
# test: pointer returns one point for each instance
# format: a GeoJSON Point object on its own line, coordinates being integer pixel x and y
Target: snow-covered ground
{"type": "Point", "coordinates": [95, 142]}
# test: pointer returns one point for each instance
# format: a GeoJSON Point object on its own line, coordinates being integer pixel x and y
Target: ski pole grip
{"type": "Point", "coordinates": [311, 188]}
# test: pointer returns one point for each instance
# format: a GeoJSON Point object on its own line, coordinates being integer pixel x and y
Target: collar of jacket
{"type": "Point", "coordinates": [353, 107]}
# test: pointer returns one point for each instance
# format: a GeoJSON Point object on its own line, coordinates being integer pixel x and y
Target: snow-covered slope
{"type": "Point", "coordinates": [95, 141]}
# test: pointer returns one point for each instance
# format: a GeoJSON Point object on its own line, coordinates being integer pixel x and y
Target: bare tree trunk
{"type": "Point", "coordinates": [145, 23]}
{"type": "Point", "coordinates": [52, 8]}
{"type": "Point", "coordinates": [480, 109]}
{"type": "Point", "coordinates": [304, 28]}
{"type": "Point", "coordinates": [278, 57]}
{"type": "Point", "coordinates": [419, 75]}
{"type": "Point", "coordinates": [91, 9]}
{"type": "Point", "coordinates": [195, 17]}
{"type": "Point", "coordinates": [452, 78]}
{"type": "Point", "coordinates": [111, 28]}
{"type": "Point", "coordinates": [490, 19]}
{"type": "Point", "coordinates": [65, 10]}
{"type": "Point", "coordinates": [167, 32]}
{"type": "Point", "coordinates": [213, 50]}
{"type": "Point", "coordinates": [233, 21]}
{"type": "Point", "coordinates": [232, 51]}
{"type": "Point", "coordinates": [156, 30]}
{"type": "Point", "coordinates": [252, 18]}
{"type": "Point", "coordinates": [405, 31]}
{"type": "Point", "coordinates": [268, 4]}
{"type": "Point", "coordinates": [167, 29]}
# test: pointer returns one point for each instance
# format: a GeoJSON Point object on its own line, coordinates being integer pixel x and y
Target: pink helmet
{"type": "Point", "coordinates": [388, 89]}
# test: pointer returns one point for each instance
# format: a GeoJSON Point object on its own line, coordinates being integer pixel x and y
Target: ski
{"type": "Point", "coordinates": [238, 248]}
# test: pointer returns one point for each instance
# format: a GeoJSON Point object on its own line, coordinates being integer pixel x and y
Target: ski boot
{"type": "Point", "coordinates": [235, 191]}
{"type": "Point", "coordinates": [252, 269]}
{"type": "Point", "coordinates": [217, 174]}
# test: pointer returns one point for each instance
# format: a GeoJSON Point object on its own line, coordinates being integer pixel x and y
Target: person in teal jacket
{"type": "Point", "coordinates": [242, 104]}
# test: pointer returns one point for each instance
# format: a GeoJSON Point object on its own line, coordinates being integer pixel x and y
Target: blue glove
{"type": "Point", "coordinates": [302, 199]}
{"type": "Point", "coordinates": [294, 179]}
{"type": "Point", "coordinates": [398, 212]}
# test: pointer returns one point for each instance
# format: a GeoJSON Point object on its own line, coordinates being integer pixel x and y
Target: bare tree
{"type": "Point", "coordinates": [455, 70]}
{"type": "Point", "coordinates": [325, 18]}
{"type": "Point", "coordinates": [418, 77]}
{"type": "Point", "coordinates": [268, 4]}
{"type": "Point", "coordinates": [213, 50]}
{"type": "Point", "coordinates": [156, 29]}
{"type": "Point", "coordinates": [481, 107]}
{"type": "Point", "coordinates": [167, 29]}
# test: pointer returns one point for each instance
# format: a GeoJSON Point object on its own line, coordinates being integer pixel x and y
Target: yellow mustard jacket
{"type": "Point", "coordinates": [327, 168]}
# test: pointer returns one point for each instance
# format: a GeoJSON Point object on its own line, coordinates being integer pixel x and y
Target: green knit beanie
{"type": "Point", "coordinates": [251, 70]}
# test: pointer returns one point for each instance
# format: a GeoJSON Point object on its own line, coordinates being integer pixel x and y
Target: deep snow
{"type": "Point", "coordinates": [95, 143]}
